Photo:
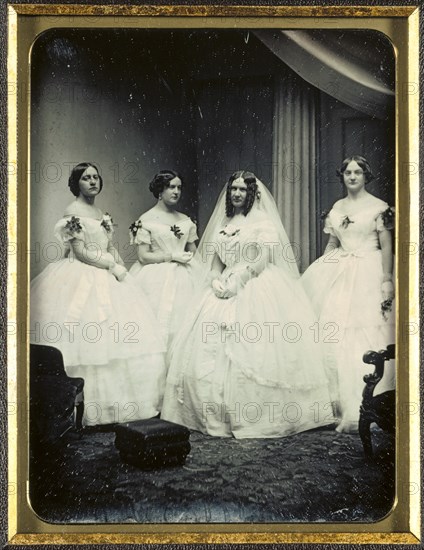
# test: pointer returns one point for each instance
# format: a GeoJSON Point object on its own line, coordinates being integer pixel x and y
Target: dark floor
{"type": "Point", "coordinates": [314, 476]}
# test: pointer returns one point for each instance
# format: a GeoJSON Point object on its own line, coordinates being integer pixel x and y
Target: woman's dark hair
{"type": "Point", "coordinates": [161, 181]}
{"type": "Point", "coordinates": [362, 162]}
{"type": "Point", "coordinates": [250, 180]}
{"type": "Point", "coordinates": [76, 174]}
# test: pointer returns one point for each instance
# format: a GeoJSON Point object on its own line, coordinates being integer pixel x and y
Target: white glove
{"type": "Point", "coordinates": [119, 271]}
{"type": "Point", "coordinates": [388, 290]}
{"type": "Point", "coordinates": [218, 288]}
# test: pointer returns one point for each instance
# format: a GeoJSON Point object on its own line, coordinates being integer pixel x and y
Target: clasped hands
{"type": "Point", "coordinates": [224, 288]}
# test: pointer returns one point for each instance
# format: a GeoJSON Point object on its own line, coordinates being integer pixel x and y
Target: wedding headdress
{"type": "Point", "coordinates": [264, 207]}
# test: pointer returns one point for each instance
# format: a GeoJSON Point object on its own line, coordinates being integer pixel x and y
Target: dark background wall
{"type": "Point", "coordinates": [201, 102]}
{"type": "Point", "coordinates": [136, 102]}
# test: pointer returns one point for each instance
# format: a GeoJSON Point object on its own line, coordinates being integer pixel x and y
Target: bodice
{"type": "Point", "coordinates": [96, 233]}
{"type": "Point", "coordinates": [162, 236]}
{"type": "Point", "coordinates": [242, 246]}
{"type": "Point", "coordinates": [359, 231]}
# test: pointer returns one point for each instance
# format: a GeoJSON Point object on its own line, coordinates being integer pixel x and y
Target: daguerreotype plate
{"type": "Point", "coordinates": [286, 92]}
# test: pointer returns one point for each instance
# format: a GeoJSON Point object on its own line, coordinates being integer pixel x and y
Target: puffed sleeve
{"type": "Point", "coordinates": [139, 234]}
{"type": "Point", "coordinates": [328, 226]}
{"type": "Point", "coordinates": [192, 233]}
{"type": "Point", "coordinates": [69, 228]}
{"type": "Point", "coordinates": [267, 244]}
{"type": "Point", "coordinates": [385, 219]}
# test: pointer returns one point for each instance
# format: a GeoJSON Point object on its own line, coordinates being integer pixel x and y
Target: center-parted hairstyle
{"type": "Point", "coordinates": [161, 181]}
{"type": "Point", "coordinates": [76, 174]}
{"type": "Point", "coordinates": [250, 180]}
{"type": "Point", "coordinates": [360, 161]}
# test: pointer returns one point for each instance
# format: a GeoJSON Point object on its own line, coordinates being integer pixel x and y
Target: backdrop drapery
{"type": "Point", "coordinates": [339, 63]}
{"type": "Point", "coordinates": [294, 163]}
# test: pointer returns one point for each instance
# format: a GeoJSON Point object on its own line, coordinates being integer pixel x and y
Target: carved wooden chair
{"type": "Point", "coordinates": [56, 399]}
{"type": "Point", "coordinates": [381, 408]}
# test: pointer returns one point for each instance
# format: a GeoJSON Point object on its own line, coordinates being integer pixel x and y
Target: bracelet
{"type": "Point", "coordinates": [112, 266]}
{"type": "Point", "coordinates": [387, 277]}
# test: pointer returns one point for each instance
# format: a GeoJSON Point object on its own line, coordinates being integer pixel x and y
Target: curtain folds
{"type": "Point", "coordinates": [294, 163]}
{"type": "Point", "coordinates": [339, 64]}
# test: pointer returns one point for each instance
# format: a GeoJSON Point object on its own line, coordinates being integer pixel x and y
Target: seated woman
{"type": "Point", "coordinates": [245, 363]}
{"type": "Point", "coordinates": [165, 240]}
{"type": "Point", "coordinates": [351, 288]}
{"type": "Point", "coordinates": [87, 306]}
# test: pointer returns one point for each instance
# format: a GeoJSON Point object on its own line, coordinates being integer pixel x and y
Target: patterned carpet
{"type": "Point", "coordinates": [314, 476]}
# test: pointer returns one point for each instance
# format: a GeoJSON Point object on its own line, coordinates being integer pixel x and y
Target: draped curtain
{"type": "Point", "coordinates": [294, 163]}
{"type": "Point", "coordinates": [343, 65]}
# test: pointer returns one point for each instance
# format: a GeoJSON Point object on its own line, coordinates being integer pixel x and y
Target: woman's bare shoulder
{"type": "Point", "coordinates": [338, 205]}
{"type": "Point", "coordinates": [71, 209]}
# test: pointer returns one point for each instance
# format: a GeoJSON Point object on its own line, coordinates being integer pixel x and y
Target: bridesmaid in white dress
{"type": "Point", "coordinates": [165, 240]}
{"type": "Point", "coordinates": [351, 288]}
{"type": "Point", "coordinates": [245, 363]}
{"type": "Point", "coordinates": [87, 306]}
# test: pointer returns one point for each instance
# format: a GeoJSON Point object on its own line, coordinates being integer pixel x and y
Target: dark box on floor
{"type": "Point", "coordinates": [152, 443]}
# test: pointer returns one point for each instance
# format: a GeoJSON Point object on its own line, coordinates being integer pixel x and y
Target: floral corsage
{"type": "Point", "coordinates": [107, 223]}
{"type": "Point", "coordinates": [73, 226]}
{"type": "Point", "coordinates": [386, 308]}
{"type": "Point", "coordinates": [177, 231]}
{"type": "Point", "coordinates": [388, 218]}
{"type": "Point", "coordinates": [230, 230]}
{"type": "Point", "coordinates": [346, 221]}
{"type": "Point", "coordinates": [134, 227]}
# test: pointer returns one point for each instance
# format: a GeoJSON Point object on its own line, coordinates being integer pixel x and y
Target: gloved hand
{"type": "Point", "coordinates": [119, 271]}
{"type": "Point", "coordinates": [388, 290]}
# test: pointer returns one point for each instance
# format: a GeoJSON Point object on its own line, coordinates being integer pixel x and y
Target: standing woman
{"type": "Point", "coordinates": [245, 363]}
{"type": "Point", "coordinates": [87, 306]}
{"type": "Point", "coordinates": [165, 240]}
{"type": "Point", "coordinates": [351, 288]}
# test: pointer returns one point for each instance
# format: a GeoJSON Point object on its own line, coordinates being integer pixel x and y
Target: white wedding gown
{"type": "Point", "coordinates": [248, 366]}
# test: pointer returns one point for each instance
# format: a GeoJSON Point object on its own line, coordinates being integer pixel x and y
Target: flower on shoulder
{"type": "Point", "coordinates": [73, 225]}
{"type": "Point", "coordinates": [346, 221]}
{"type": "Point", "coordinates": [134, 227]}
{"type": "Point", "coordinates": [230, 230]}
{"type": "Point", "coordinates": [388, 217]}
{"type": "Point", "coordinates": [386, 308]}
{"type": "Point", "coordinates": [177, 231]}
{"type": "Point", "coordinates": [107, 222]}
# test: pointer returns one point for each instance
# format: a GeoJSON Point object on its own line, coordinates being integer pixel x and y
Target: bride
{"type": "Point", "coordinates": [245, 364]}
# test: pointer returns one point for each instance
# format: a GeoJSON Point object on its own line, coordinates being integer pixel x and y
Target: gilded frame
{"type": "Point", "coordinates": [402, 526]}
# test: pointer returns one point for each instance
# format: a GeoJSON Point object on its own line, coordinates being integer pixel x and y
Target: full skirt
{"type": "Point", "coordinates": [345, 290]}
{"type": "Point", "coordinates": [248, 366]}
{"type": "Point", "coordinates": [107, 334]}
